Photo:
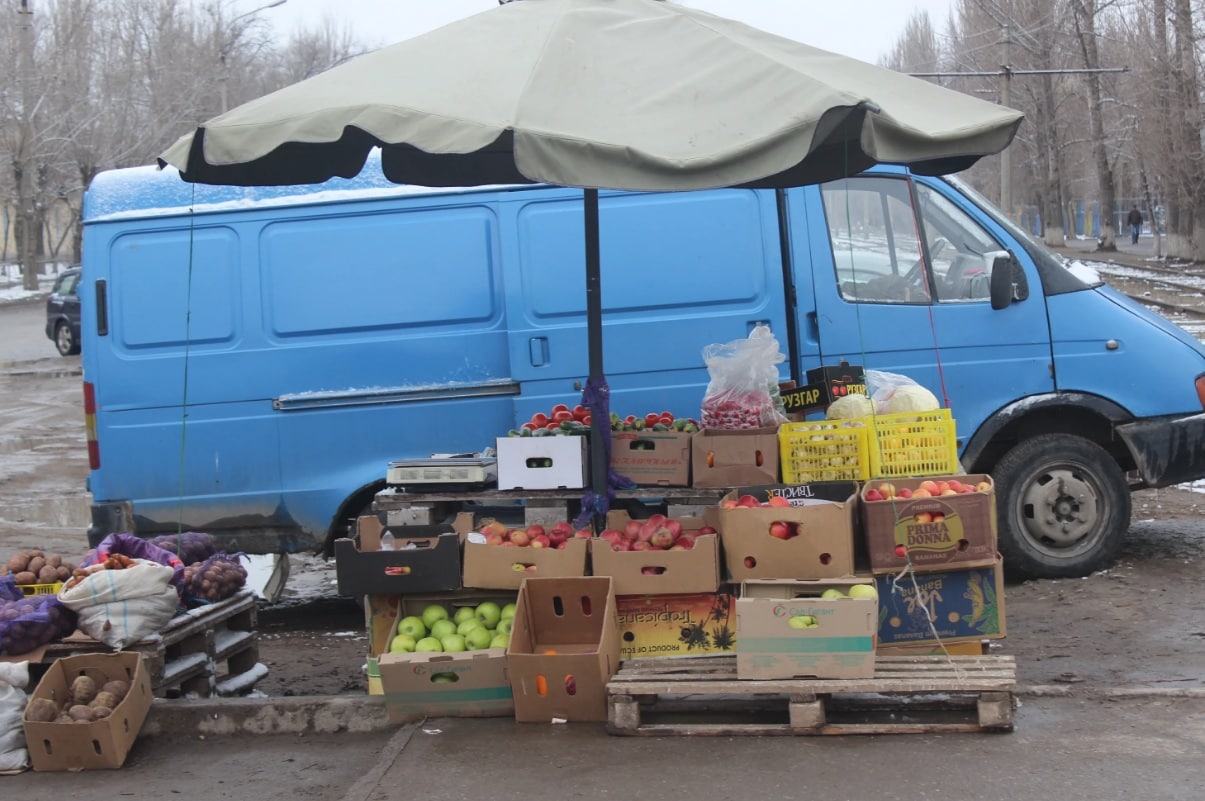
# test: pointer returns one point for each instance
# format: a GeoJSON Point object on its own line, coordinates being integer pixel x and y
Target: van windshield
{"type": "Point", "coordinates": [1059, 275]}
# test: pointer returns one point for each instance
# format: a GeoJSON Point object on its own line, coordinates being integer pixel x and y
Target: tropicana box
{"type": "Point", "coordinates": [423, 559]}
{"type": "Point", "coordinates": [99, 744]}
{"type": "Point", "coordinates": [690, 564]}
{"type": "Point", "coordinates": [472, 683]}
{"type": "Point", "coordinates": [937, 523]}
{"type": "Point", "coordinates": [734, 458]}
{"type": "Point", "coordinates": [789, 629]}
{"type": "Point", "coordinates": [784, 531]}
{"type": "Point", "coordinates": [564, 648]}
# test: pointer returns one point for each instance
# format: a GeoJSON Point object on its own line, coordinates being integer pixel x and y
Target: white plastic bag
{"type": "Point", "coordinates": [743, 391]}
{"type": "Point", "coordinates": [120, 607]}
{"type": "Point", "coordinates": [14, 678]}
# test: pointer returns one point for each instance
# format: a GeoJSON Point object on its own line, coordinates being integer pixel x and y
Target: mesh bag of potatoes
{"type": "Point", "coordinates": [92, 696]}
{"type": "Point", "coordinates": [216, 579]}
{"type": "Point", "coordinates": [27, 623]}
{"type": "Point", "coordinates": [190, 546]}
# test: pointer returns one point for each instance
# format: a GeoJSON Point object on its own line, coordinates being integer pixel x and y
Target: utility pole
{"type": "Point", "coordinates": [1006, 161]}
{"type": "Point", "coordinates": [24, 154]}
{"type": "Point", "coordinates": [224, 51]}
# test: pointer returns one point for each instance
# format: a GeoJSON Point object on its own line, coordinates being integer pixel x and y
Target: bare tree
{"type": "Point", "coordinates": [1085, 28]}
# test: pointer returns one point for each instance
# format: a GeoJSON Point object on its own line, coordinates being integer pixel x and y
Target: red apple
{"type": "Point", "coordinates": [583, 534]}
{"type": "Point", "coordinates": [780, 530]}
{"type": "Point", "coordinates": [777, 500]}
{"type": "Point", "coordinates": [520, 537]}
{"type": "Point", "coordinates": [631, 530]}
{"type": "Point", "coordinates": [535, 530]}
{"type": "Point", "coordinates": [874, 495]}
{"type": "Point", "coordinates": [704, 531]}
{"type": "Point", "coordinates": [641, 545]}
{"type": "Point", "coordinates": [905, 493]}
{"type": "Point", "coordinates": [494, 538]}
{"type": "Point", "coordinates": [557, 536]}
{"type": "Point", "coordinates": [662, 538]}
{"type": "Point", "coordinates": [748, 501]}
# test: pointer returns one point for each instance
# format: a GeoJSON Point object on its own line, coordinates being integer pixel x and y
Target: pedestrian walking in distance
{"type": "Point", "coordinates": [1134, 219]}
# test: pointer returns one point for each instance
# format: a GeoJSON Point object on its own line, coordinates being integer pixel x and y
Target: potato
{"type": "Point", "coordinates": [100, 712]}
{"type": "Point", "coordinates": [41, 710]}
{"type": "Point", "coordinates": [48, 575]}
{"type": "Point", "coordinates": [117, 687]}
{"type": "Point", "coordinates": [35, 564]}
{"type": "Point", "coordinates": [54, 560]}
{"type": "Point", "coordinates": [106, 700]}
{"type": "Point", "coordinates": [25, 577]}
{"type": "Point", "coordinates": [83, 689]}
{"type": "Point", "coordinates": [81, 714]}
{"type": "Point", "coordinates": [18, 563]}
{"type": "Point", "coordinates": [64, 572]}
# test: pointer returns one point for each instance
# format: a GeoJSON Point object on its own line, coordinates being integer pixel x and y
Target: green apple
{"type": "Point", "coordinates": [504, 626]}
{"type": "Point", "coordinates": [442, 628]}
{"type": "Point", "coordinates": [831, 593]}
{"type": "Point", "coordinates": [477, 639]}
{"type": "Point", "coordinates": [500, 641]}
{"type": "Point", "coordinates": [402, 644]}
{"type": "Point", "coordinates": [444, 678]}
{"type": "Point", "coordinates": [453, 643]}
{"type": "Point", "coordinates": [413, 626]}
{"type": "Point", "coordinates": [427, 645]}
{"type": "Point", "coordinates": [464, 613]}
{"type": "Point", "coordinates": [802, 622]}
{"type": "Point", "coordinates": [432, 613]}
{"type": "Point", "coordinates": [863, 591]}
{"type": "Point", "coordinates": [508, 612]}
{"type": "Point", "coordinates": [468, 625]}
{"type": "Point", "coordinates": [489, 613]}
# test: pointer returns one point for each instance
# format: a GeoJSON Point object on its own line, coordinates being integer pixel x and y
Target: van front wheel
{"type": "Point", "coordinates": [1063, 507]}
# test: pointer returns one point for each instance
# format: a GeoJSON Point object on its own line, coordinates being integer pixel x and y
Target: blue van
{"type": "Point", "coordinates": [254, 357]}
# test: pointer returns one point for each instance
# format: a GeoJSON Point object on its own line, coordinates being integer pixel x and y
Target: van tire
{"type": "Point", "coordinates": [1086, 501]}
{"type": "Point", "coordinates": [65, 340]}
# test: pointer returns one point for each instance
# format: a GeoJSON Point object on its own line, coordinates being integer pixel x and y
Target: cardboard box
{"type": "Point", "coordinates": [835, 638]}
{"type": "Point", "coordinates": [968, 648]}
{"type": "Point", "coordinates": [964, 605]}
{"type": "Point", "coordinates": [721, 458]}
{"type": "Point", "coordinates": [825, 515]}
{"type": "Point", "coordinates": [652, 458]}
{"type": "Point", "coordinates": [495, 567]}
{"type": "Point", "coordinates": [824, 385]}
{"type": "Point", "coordinates": [102, 744]}
{"type": "Point", "coordinates": [938, 533]}
{"type": "Point", "coordinates": [551, 462]}
{"type": "Point", "coordinates": [657, 572]}
{"type": "Point", "coordinates": [468, 684]}
{"type": "Point", "coordinates": [564, 648]}
{"type": "Point", "coordinates": [431, 565]}
{"type": "Point", "coordinates": [382, 613]}
{"type": "Point", "coordinates": [675, 625]}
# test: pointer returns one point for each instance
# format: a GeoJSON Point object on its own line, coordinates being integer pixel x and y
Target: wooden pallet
{"type": "Point", "coordinates": [702, 696]}
{"type": "Point", "coordinates": [209, 650]}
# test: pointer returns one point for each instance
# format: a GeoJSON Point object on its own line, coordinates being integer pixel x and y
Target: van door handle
{"type": "Point", "coordinates": [811, 328]}
{"type": "Point", "coordinates": [538, 346]}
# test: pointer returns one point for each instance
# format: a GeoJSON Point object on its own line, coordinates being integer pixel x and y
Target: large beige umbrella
{"type": "Point", "coordinates": [617, 94]}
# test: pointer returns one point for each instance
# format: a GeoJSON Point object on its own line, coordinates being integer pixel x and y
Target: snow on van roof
{"type": "Point", "coordinates": [137, 192]}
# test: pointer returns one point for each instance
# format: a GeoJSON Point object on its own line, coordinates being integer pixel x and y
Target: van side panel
{"type": "Point", "coordinates": [679, 272]}
{"type": "Point", "coordinates": [299, 347]}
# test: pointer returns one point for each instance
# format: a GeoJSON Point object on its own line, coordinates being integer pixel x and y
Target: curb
{"type": "Point", "coordinates": [323, 714]}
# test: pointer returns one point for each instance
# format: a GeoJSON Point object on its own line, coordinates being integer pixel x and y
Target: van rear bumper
{"type": "Point", "coordinates": [1168, 450]}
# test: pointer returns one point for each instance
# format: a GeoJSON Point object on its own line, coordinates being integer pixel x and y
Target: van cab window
{"type": "Point", "coordinates": [875, 229]}
{"type": "Point", "coordinates": [875, 241]}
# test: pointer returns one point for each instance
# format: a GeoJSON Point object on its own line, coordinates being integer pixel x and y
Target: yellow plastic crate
{"type": "Point", "coordinates": [824, 450]}
{"type": "Point", "coordinates": [913, 444]}
{"type": "Point", "coordinates": [41, 589]}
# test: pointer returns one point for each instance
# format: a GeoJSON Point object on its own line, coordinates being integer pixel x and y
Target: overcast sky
{"type": "Point", "coordinates": [864, 29]}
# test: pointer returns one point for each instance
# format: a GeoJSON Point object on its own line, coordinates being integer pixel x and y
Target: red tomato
{"type": "Point", "coordinates": [651, 420]}
{"type": "Point", "coordinates": [562, 415]}
{"type": "Point", "coordinates": [553, 426]}
{"type": "Point", "coordinates": [539, 419]}
{"type": "Point", "coordinates": [560, 407]}
{"type": "Point", "coordinates": [580, 412]}
{"type": "Point", "coordinates": [667, 419]}
{"type": "Point", "coordinates": [586, 420]}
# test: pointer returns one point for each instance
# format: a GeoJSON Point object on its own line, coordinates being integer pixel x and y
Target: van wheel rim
{"type": "Point", "coordinates": [1061, 509]}
{"type": "Point", "coordinates": [64, 339]}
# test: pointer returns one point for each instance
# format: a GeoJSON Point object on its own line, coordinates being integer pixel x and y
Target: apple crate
{"type": "Point", "coordinates": [912, 444]}
{"type": "Point", "coordinates": [824, 450]}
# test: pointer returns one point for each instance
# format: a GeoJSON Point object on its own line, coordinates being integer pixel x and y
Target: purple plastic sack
{"type": "Point", "coordinates": [9, 591]}
{"type": "Point", "coordinates": [190, 546]}
{"type": "Point", "coordinates": [30, 622]}
{"type": "Point", "coordinates": [135, 548]}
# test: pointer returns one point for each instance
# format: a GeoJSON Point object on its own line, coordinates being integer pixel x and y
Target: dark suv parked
{"type": "Point", "coordinates": [62, 313]}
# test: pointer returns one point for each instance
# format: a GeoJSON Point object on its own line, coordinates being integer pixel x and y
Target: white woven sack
{"type": "Point", "coordinates": [14, 678]}
{"type": "Point", "coordinates": [120, 607]}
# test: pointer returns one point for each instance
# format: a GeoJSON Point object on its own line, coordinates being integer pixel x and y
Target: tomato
{"type": "Point", "coordinates": [580, 412]}
{"type": "Point", "coordinates": [666, 419]}
{"type": "Point", "coordinates": [586, 420]}
{"type": "Point", "coordinates": [561, 415]}
{"type": "Point", "coordinates": [529, 426]}
{"type": "Point", "coordinates": [539, 419]}
{"type": "Point", "coordinates": [553, 427]}
{"type": "Point", "coordinates": [560, 407]}
{"type": "Point", "coordinates": [651, 419]}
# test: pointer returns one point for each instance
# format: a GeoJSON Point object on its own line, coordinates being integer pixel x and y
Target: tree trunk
{"type": "Point", "coordinates": [1085, 24]}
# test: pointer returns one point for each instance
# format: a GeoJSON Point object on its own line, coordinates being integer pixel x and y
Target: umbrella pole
{"type": "Point", "coordinates": [600, 423]}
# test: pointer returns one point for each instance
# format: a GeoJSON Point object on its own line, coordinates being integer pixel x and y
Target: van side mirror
{"type": "Point", "coordinates": [1008, 280]}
